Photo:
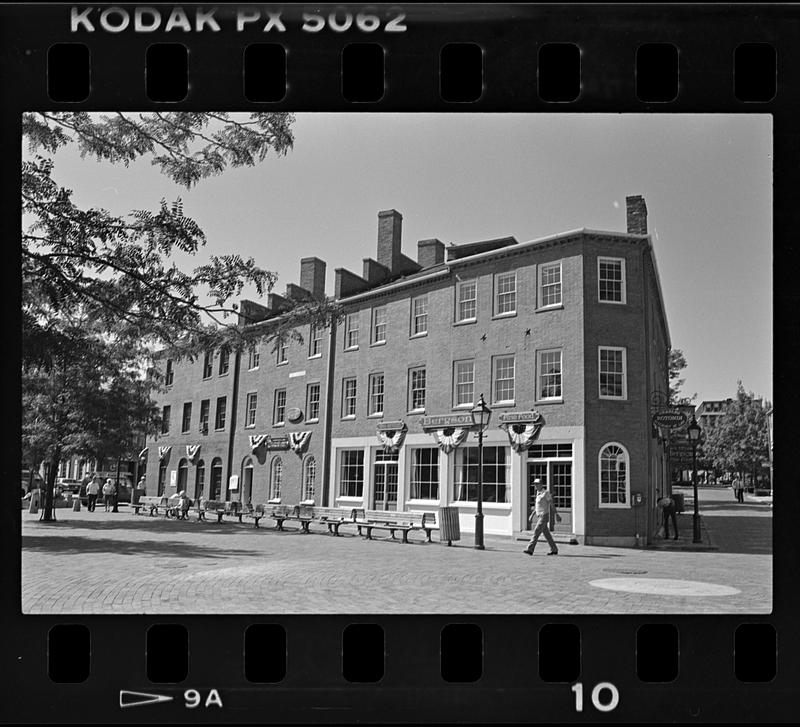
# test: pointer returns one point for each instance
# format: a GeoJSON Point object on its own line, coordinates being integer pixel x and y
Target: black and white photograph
{"type": "Point", "coordinates": [396, 363]}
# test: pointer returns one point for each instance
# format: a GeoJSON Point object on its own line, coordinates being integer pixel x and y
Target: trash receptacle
{"type": "Point", "coordinates": [449, 527]}
{"type": "Point", "coordinates": [677, 498]}
{"type": "Point", "coordinates": [76, 504]}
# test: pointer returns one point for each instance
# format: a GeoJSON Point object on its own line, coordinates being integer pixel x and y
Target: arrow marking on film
{"type": "Point", "coordinates": [139, 699]}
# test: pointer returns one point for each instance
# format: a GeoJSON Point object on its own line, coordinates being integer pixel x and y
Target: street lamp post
{"type": "Point", "coordinates": [481, 415]}
{"type": "Point", "coordinates": [693, 432]}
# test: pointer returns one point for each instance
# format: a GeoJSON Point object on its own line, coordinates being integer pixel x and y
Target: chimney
{"type": "Point", "coordinates": [374, 272]}
{"type": "Point", "coordinates": [390, 225]}
{"type": "Point", "coordinates": [637, 215]}
{"type": "Point", "coordinates": [430, 253]}
{"type": "Point", "coordinates": [251, 312]}
{"type": "Point", "coordinates": [312, 276]}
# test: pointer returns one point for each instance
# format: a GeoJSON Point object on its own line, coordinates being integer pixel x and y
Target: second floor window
{"type": "Point", "coordinates": [253, 357]}
{"type": "Point", "coordinates": [205, 407]}
{"type": "Point", "coordinates": [283, 352]}
{"type": "Point", "coordinates": [187, 417]}
{"type": "Point", "coordinates": [549, 365]}
{"type": "Point", "coordinates": [464, 383]}
{"type": "Point", "coordinates": [379, 324]}
{"type": "Point", "coordinates": [207, 364]}
{"type": "Point", "coordinates": [416, 386]}
{"type": "Point", "coordinates": [224, 361]}
{"type": "Point", "coordinates": [351, 331]}
{"type": "Point", "coordinates": [611, 280]}
{"type": "Point", "coordinates": [419, 315]}
{"type": "Point", "coordinates": [466, 300]}
{"type": "Point", "coordinates": [611, 365]}
{"type": "Point", "coordinates": [165, 412]}
{"type": "Point", "coordinates": [250, 411]}
{"type": "Point", "coordinates": [314, 342]}
{"type": "Point", "coordinates": [170, 374]}
{"type": "Point", "coordinates": [376, 394]}
{"type": "Point", "coordinates": [222, 406]}
{"type": "Point", "coordinates": [312, 402]}
{"type": "Point", "coordinates": [549, 284]}
{"type": "Point", "coordinates": [505, 288]}
{"type": "Point", "coordinates": [280, 407]}
{"type": "Point", "coordinates": [349, 398]}
{"type": "Point", "coordinates": [503, 379]}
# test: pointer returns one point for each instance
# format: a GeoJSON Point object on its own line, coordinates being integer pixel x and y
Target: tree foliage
{"type": "Point", "coordinates": [101, 291]}
{"type": "Point", "coordinates": [739, 442]}
{"type": "Point", "coordinates": [676, 363]}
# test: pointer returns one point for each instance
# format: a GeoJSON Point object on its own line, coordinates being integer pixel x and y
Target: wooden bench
{"type": "Point", "coordinates": [333, 517]}
{"type": "Point", "coordinates": [393, 521]}
{"type": "Point", "coordinates": [215, 507]}
{"type": "Point", "coordinates": [256, 513]}
{"type": "Point", "coordinates": [282, 513]}
{"type": "Point", "coordinates": [151, 503]}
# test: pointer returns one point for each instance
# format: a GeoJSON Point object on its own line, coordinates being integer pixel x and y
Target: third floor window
{"type": "Point", "coordinates": [419, 315]}
{"type": "Point", "coordinates": [351, 331]}
{"type": "Point", "coordinates": [207, 364]}
{"type": "Point", "coordinates": [505, 291]}
{"type": "Point", "coordinates": [550, 284]}
{"type": "Point", "coordinates": [379, 324]}
{"type": "Point", "coordinates": [466, 300]}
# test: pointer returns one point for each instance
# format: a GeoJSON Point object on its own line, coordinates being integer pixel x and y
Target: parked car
{"type": "Point", "coordinates": [68, 484]}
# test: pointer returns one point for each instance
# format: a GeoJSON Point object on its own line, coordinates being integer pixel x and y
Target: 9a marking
{"type": "Point", "coordinates": [600, 701]}
{"type": "Point", "coordinates": [193, 698]}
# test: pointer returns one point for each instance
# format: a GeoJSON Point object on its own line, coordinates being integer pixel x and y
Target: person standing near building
{"type": "Point", "coordinates": [668, 512]}
{"type": "Point", "coordinates": [108, 493]}
{"type": "Point", "coordinates": [92, 490]}
{"type": "Point", "coordinates": [542, 512]}
{"type": "Point", "coordinates": [738, 489]}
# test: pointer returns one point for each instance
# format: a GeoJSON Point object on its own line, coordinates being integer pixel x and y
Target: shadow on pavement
{"type": "Point", "coordinates": [159, 525]}
{"type": "Point", "coordinates": [749, 536]}
{"type": "Point", "coordinates": [710, 507]}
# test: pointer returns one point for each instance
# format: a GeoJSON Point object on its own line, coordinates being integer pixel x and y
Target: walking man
{"type": "Point", "coordinates": [92, 490]}
{"type": "Point", "coordinates": [108, 493]}
{"type": "Point", "coordinates": [542, 512]}
{"type": "Point", "coordinates": [738, 489]}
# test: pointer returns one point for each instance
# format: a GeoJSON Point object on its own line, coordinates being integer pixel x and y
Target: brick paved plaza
{"type": "Point", "coordinates": [126, 564]}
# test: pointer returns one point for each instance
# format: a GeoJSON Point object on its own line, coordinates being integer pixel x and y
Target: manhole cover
{"type": "Point", "coordinates": [625, 571]}
{"type": "Point", "coordinates": [664, 587]}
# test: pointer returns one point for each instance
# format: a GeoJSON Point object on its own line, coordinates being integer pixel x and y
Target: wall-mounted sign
{"type": "Point", "coordinates": [670, 418]}
{"type": "Point", "coordinates": [520, 417]}
{"type": "Point", "coordinates": [173, 478]}
{"type": "Point", "coordinates": [294, 415]}
{"type": "Point", "coordinates": [390, 426]}
{"type": "Point", "coordinates": [277, 443]}
{"type": "Point", "coordinates": [448, 420]}
{"type": "Point", "coordinates": [233, 482]}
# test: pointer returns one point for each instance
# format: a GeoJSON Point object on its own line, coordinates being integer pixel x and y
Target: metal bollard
{"type": "Point", "coordinates": [76, 504]}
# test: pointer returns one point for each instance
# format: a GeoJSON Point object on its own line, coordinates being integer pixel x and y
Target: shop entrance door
{"type": "Point", "coordinates": [557, 477]}
{"type": "Point", "coordinates": [385, 481]}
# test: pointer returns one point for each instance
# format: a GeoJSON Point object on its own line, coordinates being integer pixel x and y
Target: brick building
{"type": "Point", "coordinates": [565, 336]}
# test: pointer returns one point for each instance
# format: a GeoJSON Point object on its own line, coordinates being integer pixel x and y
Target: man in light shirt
{"type": "Point", "coordinates": [92, 490]}
{"type": "Point", "coordinates": [543, 510]}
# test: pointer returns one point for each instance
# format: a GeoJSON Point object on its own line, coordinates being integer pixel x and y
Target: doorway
{"type": "Point", "coordinates": [552, 464]}
{"type": "Point", "coordinates": [385, 481]}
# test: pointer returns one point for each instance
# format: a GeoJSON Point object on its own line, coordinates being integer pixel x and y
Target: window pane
{"type": "Point", "coordinates": [351, 478]}
{"type": "Point", "coordinates": [418, 378]}
{"type": "Point", "coordinates": [420, 315]}
{"type": "Point", "coordinates": [379, 325]}
{"type": "Point", "coordinates": [495, 473]}
{"type": "Point", "coordinates": [611, 373]}
{"type": "Point", "coordinates": [610, 274]}
{"type": "Point", "coordinates": [425, 473]}
{"type": "Point", "coordinates": [506, 287]}
{"type": "Point", "coordinates": [465, 375]}
{"type": "Point", "coordinates": [550, 375]}
{"type": "Point", "coordinates": [504, 379]}
{"type": "Point", "coordinates": [551, 284]}
{"type": "Point", "coordinates": [613, 475]}
{"type": "Point", "coordinates": [467, 300]}
{"type": "Point", "coordinates": [376, 394]}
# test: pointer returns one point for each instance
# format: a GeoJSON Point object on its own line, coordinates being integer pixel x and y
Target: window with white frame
{"type": "Point", "coordinates": [276, 478]}
{"type": "Point", "coordinates": [351, 331]}
{"type": "Point", "coordinates": [309, 478]}
{"type": "Point", "coordinates": [351, 473]}
{"type": "Point", "coordinates": [503, 375]}
{"type": "Point", "coordinates": [464, 383]}
{"type": "Point", "coordinates": [250, 410]}
{"type": "Point", "coordinates": [550, 284]}
{"type": "Point", "coordinates": [222, 409]}
{"type": "Point", "coordinates": [466, 300]}
{"type": "Point", "coordinates": [312, 402]}
{"type": "Point", "coordinates": [376, 390]}
{"type": "Point", "coordinates": [611, 279]}
{"type": "Point", "coordinates": [416, 388]}
{"type": "Point", "coordinates": [549, 367]}
{"type": "Point", "coordinates": [496, 474]}
{"type": "Point", "coordinates": [612, 372]}
{"type": "Point", "coordinates": [614, 482]}
{"type": "Point", "coordinates": [224, 361]}
{"type": "Point", "coordinates": [283, 352]}
{"type": "Point", "coordinates": [505, 293]}
{"type": "Point", "coordinates": [205, 407]}
{"type": "Point", "coordinates": [349, 396]}
{"type": "Point", "coordinates": [253, 357]}
{"type": "Point", "coordinates": [425, 473]}
{"type": "Point", "coordinates": [279, 414]}
{"type": "Point", "coordinates": [314, 342]}
{"type": "Point", "coordinates": [419, 315]}
{"type": "Point", "coordinates": [379, 324]}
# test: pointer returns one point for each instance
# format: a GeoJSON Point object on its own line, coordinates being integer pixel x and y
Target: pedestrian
{"type": "Point", "coordinates": [543, 510]}
{"type": "Point", "coordinates": [668, 512]}
{"type": "Point", "coordinates": [108, 494]}
{"type": "Point", "coordinates": [92, 490]}
{"type": "Point", "coordinates": [184, 503]}
{"type": "Point", "coordinates": [738, 489]}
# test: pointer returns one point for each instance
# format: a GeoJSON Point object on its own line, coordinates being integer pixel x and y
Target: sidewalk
{"type": "Point", "coordinates": [122, 563]}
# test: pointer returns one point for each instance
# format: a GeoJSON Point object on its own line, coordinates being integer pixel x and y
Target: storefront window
{"type": "Point", "coordinates": [496, 476]}
{"type": "Point", "coordinates": [425, 473]}
{"type": "Point", "coordinates": [351, 473]}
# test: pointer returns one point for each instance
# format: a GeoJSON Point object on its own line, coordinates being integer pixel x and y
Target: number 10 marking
{"type": "Point", "coordinates": [599, 705]}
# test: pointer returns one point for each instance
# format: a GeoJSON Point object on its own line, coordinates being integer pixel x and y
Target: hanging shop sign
{"type": "Point", "coordinates": [447, 420]}
{"type": "Point", "coordinates": [277, 443]}
{"type": "Point", "coordinates": [669, 418]}
{"type": "Point", "coordinates": [522, 428]}
{"type": "Point", "coordinates": [522, 417]}
{"type": "Point", "coordinates": [392, 435]}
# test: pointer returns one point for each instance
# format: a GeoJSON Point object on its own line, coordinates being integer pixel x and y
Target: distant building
{"type": "Point", "coordinates": [371, 412]}
{"type": "Point", "coordinates": [709, 412]}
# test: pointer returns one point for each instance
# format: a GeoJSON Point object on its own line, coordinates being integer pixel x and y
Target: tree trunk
{"type": "Point", "coordinates": [116, 489]}
{"type": "Point", "coordinates": [48, 514]}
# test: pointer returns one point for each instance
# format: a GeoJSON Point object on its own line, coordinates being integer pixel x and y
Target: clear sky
{"type": "Point", "coordinates": [707, 181]}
